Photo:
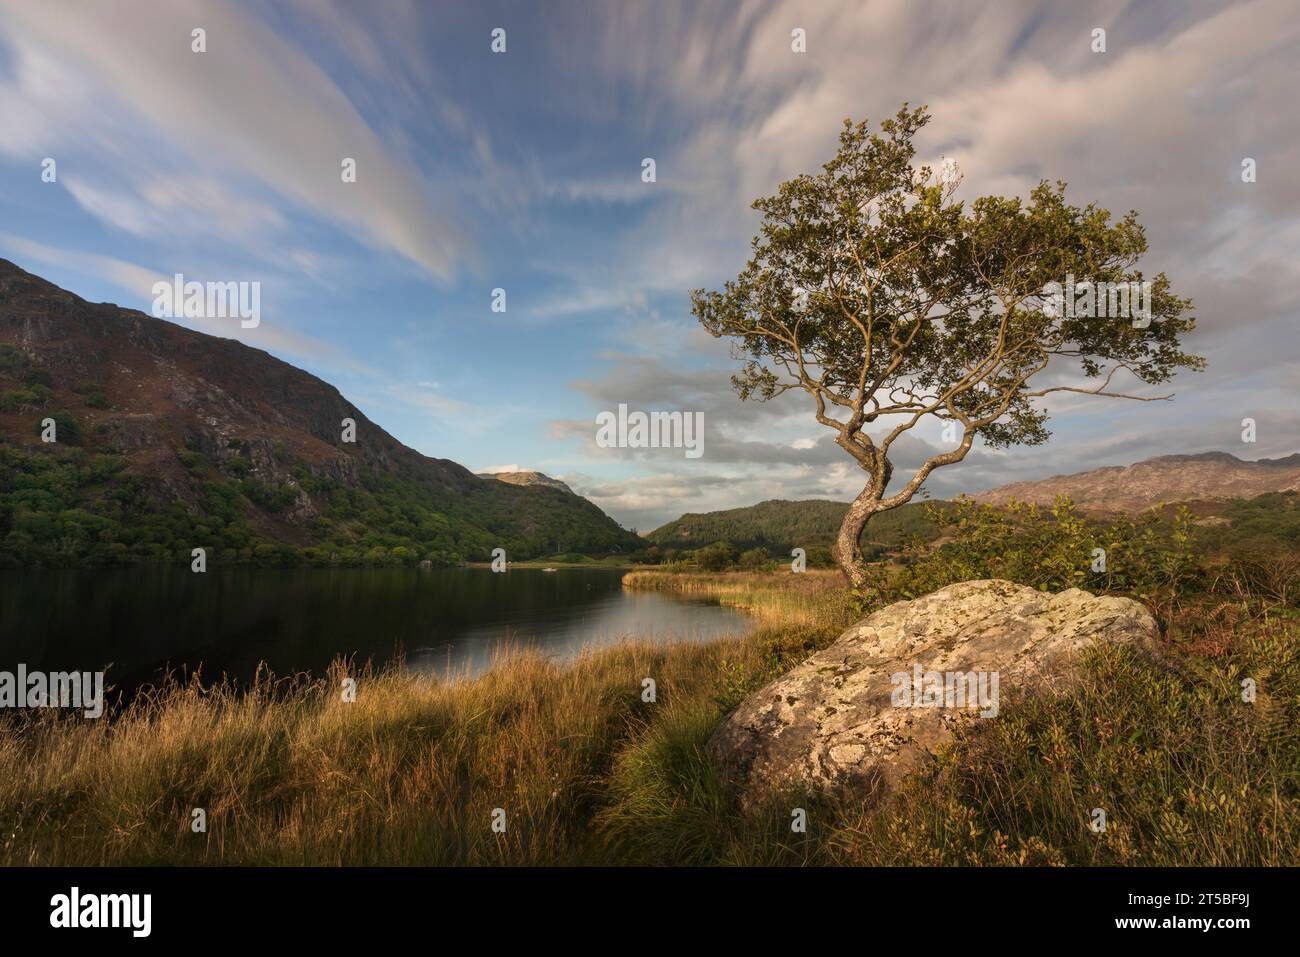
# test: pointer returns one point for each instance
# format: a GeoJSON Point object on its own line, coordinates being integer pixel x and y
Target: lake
{"type": "Point", "coordinates": [228, 620]}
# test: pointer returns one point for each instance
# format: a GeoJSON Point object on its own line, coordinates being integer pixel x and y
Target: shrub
{"type": "Point", "coordinates": [195, 462]}
{"type": "Point", "coordinates": [35, 375]}
{"type": "Point", "coordinates": [716, 557]}
{"type": "Point", "coordinates": [1149, 556]}
{"type": "Point", "coordinates": [67, 429]}
{"type": "Point", "coordinates": [33, 397]}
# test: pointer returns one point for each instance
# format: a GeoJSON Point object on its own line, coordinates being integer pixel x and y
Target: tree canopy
{"type": "Point", "coordinates": [875, 290]}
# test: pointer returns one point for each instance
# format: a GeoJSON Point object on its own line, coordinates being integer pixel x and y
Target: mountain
{"type": "Point", "coordinates": [169, 439]}
{"type": "Point", "coordinates": [1168, 478]}
{"type": "Point", "coordinates": [779, 525]}
{"type": "Point", "coordinates": [524, 477]}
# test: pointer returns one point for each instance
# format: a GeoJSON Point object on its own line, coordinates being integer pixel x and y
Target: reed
{"type": "Point", "coordinates": [585, 771]}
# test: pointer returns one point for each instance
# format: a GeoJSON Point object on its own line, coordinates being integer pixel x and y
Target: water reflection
{"type": "Point", "coordinates": [229, 620]}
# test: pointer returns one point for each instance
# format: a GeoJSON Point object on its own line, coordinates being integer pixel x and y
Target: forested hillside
{"type": "Point", "coordinates": [777, 526]}
{"type": "Point", "coordinates": [167, 439]}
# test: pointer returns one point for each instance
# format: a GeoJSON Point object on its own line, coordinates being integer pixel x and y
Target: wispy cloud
{"type": "Point", "coordinates": [252, 104]}
{"type": "Point", "coordinates": [522, 171]}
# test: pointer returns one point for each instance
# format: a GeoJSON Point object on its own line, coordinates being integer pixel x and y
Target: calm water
{"type": "Point", "coordinates": [229, 620]}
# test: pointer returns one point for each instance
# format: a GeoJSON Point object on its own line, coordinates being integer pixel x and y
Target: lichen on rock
{"type": "Point", "coordinates": [862, 713]}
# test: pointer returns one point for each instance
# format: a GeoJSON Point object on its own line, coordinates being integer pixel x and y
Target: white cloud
{"type": "Point", "coordinates": [252, 107]}
{"type": "Point", "coordinates": [1159, 123]}
{"type": "Point", "coordinates": [176, 205]}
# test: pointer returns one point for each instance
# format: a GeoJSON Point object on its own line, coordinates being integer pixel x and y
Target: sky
{"type": "Point", "coordinates": [522, 171]}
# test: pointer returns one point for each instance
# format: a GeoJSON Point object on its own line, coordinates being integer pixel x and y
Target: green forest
{"type": "Point", "coordinates": [73, 506]}
{"type": "Point", "coordinates": [773, 528]}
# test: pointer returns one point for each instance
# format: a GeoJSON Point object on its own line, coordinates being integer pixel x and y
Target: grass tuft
{"type": "Point", "coordinates": [589, 773]}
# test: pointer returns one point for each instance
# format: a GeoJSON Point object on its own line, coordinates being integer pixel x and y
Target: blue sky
{"type": "Point", "coordinates": [522, 171]}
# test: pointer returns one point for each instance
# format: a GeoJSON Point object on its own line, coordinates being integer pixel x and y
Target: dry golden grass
{"type": "Point", "coordinates": [587, 772]}
{"type": "Point", "coordinates": [816, 598]}
{"type": "Point", "coordinates": [411, 772]}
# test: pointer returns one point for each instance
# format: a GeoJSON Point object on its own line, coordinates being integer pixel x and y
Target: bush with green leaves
{"type": "Point", "coordinates": [1148, 556]}
{"type": "Point", "coordinates": [384, 520]}
{"type": "Point", "coordinates": [66, 428]}
{"type": "Point", "coordinates": [716, 557]}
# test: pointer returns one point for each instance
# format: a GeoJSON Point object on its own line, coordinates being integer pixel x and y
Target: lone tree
{"type": "Point", "coordinates": [871, 288]}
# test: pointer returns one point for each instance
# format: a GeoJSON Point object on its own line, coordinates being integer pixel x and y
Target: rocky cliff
{"type": "Point", "coordinates": [1169, 478]}
{"type": "Point", "coordinates": [179, 422]}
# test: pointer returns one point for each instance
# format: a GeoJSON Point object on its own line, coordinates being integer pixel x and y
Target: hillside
{"type": "Point", "coordinates": [779, 525]}
{"type": "Point", "coordinates": [169, 439]}
{"type": "Point", "coordinates": [1168, 478]}
{"type": "Point", "coordinates": [525, 477]}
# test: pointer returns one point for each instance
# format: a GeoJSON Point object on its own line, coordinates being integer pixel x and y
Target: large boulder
{"type": "Point", "coordinates": [863, 712]}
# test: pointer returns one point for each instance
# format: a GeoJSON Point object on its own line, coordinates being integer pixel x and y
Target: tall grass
{"type": "Point", "coordinates": [289, 773]}
{"type": "Point", "coordinates": [587, 772]}
{"type": "Point", "coordinates": [813, 599]}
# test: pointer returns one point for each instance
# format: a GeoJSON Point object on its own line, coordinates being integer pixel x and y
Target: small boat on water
{"type": "Point", "coordinates": [550, 569]}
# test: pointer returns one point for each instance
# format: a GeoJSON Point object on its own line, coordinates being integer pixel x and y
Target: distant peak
{"type": "Point", "coordinates": [1195, 457]}
{"type": "Point", "coordinates": [517, 476]}
{"type": "Point", "coordinates": [1157, 481]}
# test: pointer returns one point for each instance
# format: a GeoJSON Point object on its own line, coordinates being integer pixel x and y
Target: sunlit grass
{"type": "Point", "coordinates": [815, 598]}
{"type": "Point", "coordinates": [587, 772]}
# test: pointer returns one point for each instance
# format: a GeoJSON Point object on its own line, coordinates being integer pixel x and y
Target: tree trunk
{"type": "Point", "coordinates": [847, 552]}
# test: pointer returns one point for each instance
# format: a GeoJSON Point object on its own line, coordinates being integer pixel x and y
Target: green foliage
{"type": "Point", "coordinates": [195, 462]}
{"type": "Point", "coordinates": [1274, 515]}
{"type": "Point", "coordinates": [35, 382]}
{"type": "Point", "coordinates": [819, 556]}
{"type": "Point", "coordinates": [67, 430]}
{"type": "Point", "coordinates": [46, 497]}
{"type": "Point", "coordinates": [887, 300]}
{"type": "Point", "coordinates": [666, 797]}
{"type": "Point", "coordinates": [778, 526]}
{"type": "Point", "coordinates": [33, 397]}
{"type": "Point", "coordinates": [716, 556]}
{"type": "Point", "coordinates": [12, 361]}
{"type": "Point", "coordinates": [273, 498]}
{"type": "Point", "coordinates": [882, 249]}
{"type": "Point", "coordinates": [38, 376]}
{"type": "Point", "coordinates": [1150, 556]}
{"type": "Point", "coordinates": [572, 558]}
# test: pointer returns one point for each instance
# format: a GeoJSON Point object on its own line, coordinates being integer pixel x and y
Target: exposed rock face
{"type": "Point", "coordinates": [165, 390]}
{"type": "Point", "coordinates": [842, 720]}
{"type": "Point", "coordinates": [1169, 478]}
{"type": "Point", "coordinates": [169, 387]}
{"type": "Point", "coordinates": [525, 477]}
